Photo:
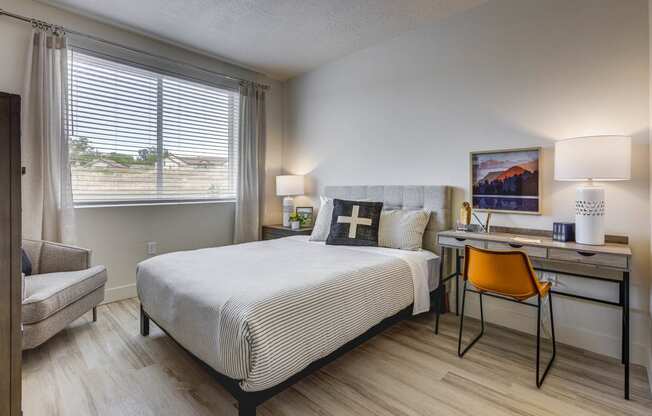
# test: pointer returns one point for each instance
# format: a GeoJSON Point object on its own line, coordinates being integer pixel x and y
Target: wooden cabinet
{"type": "Point", "coordinates": [10, 240]}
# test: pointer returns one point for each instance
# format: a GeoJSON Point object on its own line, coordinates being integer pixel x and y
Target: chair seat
{"type": "Point", "coordinates": [48, 293]}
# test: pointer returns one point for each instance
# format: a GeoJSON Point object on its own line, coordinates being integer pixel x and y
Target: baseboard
{"type": "Point", "coordinates": [117, 293]}
{"type": "Point", "coordinates": [601, 343]}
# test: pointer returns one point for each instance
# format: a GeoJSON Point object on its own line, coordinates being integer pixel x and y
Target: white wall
{"type": "Point", "coordinates": [509, 73]}
{"type": "Point", "coordinates": [118, 235]}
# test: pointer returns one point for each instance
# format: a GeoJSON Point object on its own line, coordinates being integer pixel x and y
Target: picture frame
{"type": "Point", "coordinates": [506, 180]}
{"type": "Point", "coordinates": [306, 215]}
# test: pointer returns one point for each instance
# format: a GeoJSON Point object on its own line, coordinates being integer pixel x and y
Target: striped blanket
{"type": "Point", "coordinates": [261, 312]}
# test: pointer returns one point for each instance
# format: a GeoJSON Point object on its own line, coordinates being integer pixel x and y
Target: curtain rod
{"type": "Point", "coordinates": [41, 23]}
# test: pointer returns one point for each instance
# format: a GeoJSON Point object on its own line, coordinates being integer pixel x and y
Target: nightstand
{"type": "Point", "coordinates": [271, 232]}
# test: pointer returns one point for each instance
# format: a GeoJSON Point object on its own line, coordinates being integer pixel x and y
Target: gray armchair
{"type": "Point", "coordinates": [62, 287]}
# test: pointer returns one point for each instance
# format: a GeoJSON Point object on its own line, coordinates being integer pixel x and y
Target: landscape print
{"type": "Point", "coordinates": [506, 180]}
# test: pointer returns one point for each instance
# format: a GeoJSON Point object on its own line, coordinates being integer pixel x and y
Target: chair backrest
{"type": "Point", "coordinates": [507, 273]}
{"type": "Point", "coordinates": [49, 257]}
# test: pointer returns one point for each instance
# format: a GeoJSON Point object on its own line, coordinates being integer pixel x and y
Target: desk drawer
{"type": "Point", "coordinates": [460, 242]}
{"type": "Point", "coordinates": [612, 260]}
{"type": "Point", "coordinates": [539, 252]}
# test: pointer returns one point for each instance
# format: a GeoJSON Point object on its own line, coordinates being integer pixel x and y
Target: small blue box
{"type": "Point", "coordinates": [563, 231]}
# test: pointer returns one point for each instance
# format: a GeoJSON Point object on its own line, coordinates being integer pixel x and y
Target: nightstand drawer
{"type": "Point", "coordinates": [271, 232]}
{"type": "Point", "coordinates": [600, 259]}
{"type": "Point", "coordinates": [540, 252]}
{"type": "Point", "coordinates": [271, 235]}
{"type": "Point", "coordinates": [460, 242]}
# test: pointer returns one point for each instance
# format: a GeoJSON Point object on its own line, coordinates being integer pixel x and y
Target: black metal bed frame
{"type": "Point", "coordinates": [249, 400]}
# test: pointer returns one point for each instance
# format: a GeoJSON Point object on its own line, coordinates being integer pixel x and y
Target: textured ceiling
{"type": "Point", "coordinates": [281, 38]}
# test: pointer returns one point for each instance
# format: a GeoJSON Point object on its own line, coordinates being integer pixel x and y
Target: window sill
{"type": "Point", "coordinates": [109, 204]}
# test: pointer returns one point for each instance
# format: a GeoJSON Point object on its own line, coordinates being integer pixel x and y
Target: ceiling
{"type": "Point", "coordinates": [281, 38]}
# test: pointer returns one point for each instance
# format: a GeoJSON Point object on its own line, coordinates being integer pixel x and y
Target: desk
{"type": "Point", "coordinates": [610, 262]}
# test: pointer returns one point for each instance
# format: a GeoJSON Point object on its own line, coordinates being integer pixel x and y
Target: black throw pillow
{"type": "Point", "coordinates": [355, 223]}
{"type": "Point", "coordinates": [26, 263]}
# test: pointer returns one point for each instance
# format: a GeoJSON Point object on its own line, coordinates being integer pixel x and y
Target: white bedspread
{"type": "Point", "coordinates": [422, 264]}
{"type": "Point", "coordinates": [261, 312]}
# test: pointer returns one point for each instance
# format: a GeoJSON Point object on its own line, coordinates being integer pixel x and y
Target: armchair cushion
{"type": "Point", "coordinates": [48, 293]}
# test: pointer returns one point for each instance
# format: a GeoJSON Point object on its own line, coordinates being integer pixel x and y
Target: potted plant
{"type": "Point", "coordinates": [295, 221]}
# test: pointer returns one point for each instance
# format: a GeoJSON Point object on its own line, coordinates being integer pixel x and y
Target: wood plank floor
{"type": "Point", "coordinates": [107, 368]}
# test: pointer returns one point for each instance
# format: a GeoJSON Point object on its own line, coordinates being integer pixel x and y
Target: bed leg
{"type": "Point", "coordinates": [144, 322]}
{"type": "Point", "coordinates": [246, 408]}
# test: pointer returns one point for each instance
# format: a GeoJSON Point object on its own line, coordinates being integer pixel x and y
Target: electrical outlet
{"type": "Point", "coordinates": [151, 247]}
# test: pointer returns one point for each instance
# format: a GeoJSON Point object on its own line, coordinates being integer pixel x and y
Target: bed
{"type": "Point", "coordinates": [262, 315]}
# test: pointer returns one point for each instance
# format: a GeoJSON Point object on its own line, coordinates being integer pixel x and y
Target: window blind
{"type": "Point", "coordinates": [139, 136]}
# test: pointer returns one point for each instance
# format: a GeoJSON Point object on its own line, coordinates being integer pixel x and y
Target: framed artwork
{"type": "Point", "coordinates": [305, 214]}
{"type": "Point", "coordinates": [507, 181]}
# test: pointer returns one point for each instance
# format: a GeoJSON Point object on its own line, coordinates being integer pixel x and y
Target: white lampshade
{"type": "Point", "coordinates": [598, 158]}
{"type": "Point", "coordinates": [287, 185]}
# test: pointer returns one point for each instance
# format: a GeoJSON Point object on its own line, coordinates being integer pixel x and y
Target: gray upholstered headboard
{"type": "Point", "coordinates": [436, 199]}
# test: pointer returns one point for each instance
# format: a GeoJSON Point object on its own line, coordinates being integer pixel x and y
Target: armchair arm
{"type": "Point", "coordinates": [56, 257]}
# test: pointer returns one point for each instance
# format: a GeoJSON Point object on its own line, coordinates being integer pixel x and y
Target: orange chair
{"type": "Point", "coordinates": [505, 275]}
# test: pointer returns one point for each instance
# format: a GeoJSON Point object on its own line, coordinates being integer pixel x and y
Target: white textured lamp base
{"type": "Point", "coordinates": [288, 209]}
{"type": "Point", "coordinates": [589, 215]}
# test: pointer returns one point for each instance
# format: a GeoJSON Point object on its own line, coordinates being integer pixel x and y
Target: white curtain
{"type": "Point", "coordinates": [251, 163]}
{"type": "Point", "coordinates": [48, 211]}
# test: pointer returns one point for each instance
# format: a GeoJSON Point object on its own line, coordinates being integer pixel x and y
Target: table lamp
{"type": "Point", "coordinates": [588, 159]}
{"type": "Point", "coordinates": [288, 186]}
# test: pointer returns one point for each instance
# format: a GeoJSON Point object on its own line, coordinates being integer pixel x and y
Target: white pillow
{"type": "Point", "coordinates": [402, 229]}
{"type": "Point", "coordinates": [322, 226]}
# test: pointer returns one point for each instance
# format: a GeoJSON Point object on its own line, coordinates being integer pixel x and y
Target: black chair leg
{"type": "Point", "coordinates": [95, 314]}
{"type": "Point", "coordinates": [461, 353]}
{"type": "Point", "coordinates": [554, 343]}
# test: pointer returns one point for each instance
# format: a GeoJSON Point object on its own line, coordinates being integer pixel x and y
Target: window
{"type": "Point", "coordinates": [140, 136]}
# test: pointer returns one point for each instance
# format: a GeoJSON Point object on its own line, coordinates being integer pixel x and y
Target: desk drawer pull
{"type": "Point", "coordinates": [460, 239]}
{"type": "Point", "coordinates": [515, 245]}
{"type": "Point", "coordinates": [585, 254]}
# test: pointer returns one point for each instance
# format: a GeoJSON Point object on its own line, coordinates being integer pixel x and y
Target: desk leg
{"type": "Point", "coordinates": [457, 281]}
{"type": "Point", "coordinates": [621, 301]}
{"type": "Point", "coordinates": [626, 331]}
